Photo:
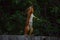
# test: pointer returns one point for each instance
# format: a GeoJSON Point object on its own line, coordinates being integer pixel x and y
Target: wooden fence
{"type": "Point", "coordinates": [22, 37]}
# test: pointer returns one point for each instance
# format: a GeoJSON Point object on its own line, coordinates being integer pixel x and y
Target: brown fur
{"type": "Point", "coordinates": [30, 10]}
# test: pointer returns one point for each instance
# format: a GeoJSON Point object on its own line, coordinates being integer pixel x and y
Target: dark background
{"type": "Point", "coordinates": [13, 17]}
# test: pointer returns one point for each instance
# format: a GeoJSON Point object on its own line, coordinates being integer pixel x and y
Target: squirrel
{"type": "Point", "coordinates": [29, 21]}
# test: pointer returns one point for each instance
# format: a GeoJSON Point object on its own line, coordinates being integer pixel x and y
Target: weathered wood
{"type": "Point", "coordinates": [22, 37]}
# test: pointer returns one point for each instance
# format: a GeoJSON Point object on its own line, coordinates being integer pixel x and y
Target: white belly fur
{"type": "Point", "coordinates": [31, 20]}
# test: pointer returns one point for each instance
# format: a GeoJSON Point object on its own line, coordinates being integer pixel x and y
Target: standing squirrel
{"type": "Point", "coordinates": [29, 21]}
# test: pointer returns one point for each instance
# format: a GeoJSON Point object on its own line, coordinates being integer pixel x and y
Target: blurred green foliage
{"type": "Point", "coordinates": [13, 16]}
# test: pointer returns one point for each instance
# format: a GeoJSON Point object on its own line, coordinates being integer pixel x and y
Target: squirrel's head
{"type": "Point", "coordinates": [30, 10]}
